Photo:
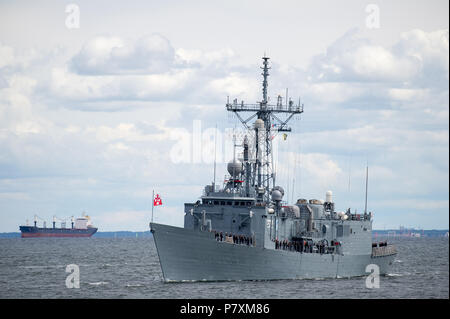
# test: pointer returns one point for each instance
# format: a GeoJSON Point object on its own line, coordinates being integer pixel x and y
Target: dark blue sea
{"type": "Point", "coordinates": [129, 268]}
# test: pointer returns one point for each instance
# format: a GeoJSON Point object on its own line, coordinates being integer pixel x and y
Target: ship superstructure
{"type": "Point", "coordinates": [243, 230]}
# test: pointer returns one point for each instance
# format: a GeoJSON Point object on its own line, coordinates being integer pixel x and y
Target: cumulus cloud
{"type": "Point", "coordinates": [319, 169]}
{"type": "Point", "coordinates": [6, 55]}
{"type": "Point", "coordinates": [153, 87]}
{"type": "Point", "coordinates": [16, 111]}
{"type": "Point", "coordinates": [111, 69]}
{"type": "Point", "coordinates": [113, 55]}
{"type": "Point", "coordinates": [352, 58]}
{"type": "Point", "coordinates": [431, 51]}
{"type": "Point", "coordinates": [12, 59]}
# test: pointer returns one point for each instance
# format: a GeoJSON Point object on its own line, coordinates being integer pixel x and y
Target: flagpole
{"type": "Point", "coordinates": [153, 202]}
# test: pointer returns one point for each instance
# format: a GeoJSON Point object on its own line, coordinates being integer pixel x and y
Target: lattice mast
{"type": "Point", "coordinates": [260, 174]}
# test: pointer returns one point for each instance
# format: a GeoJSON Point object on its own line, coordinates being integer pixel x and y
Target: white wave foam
{"type": "Point", "coordinates": [98, 283]}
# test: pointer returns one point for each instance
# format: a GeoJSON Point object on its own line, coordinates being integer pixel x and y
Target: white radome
{"type": "Point", "coordinates": [276, 195]}
{"type": "Point", "coordinates": [234, 168]}
{"type": "Point", "coordinates": [259, 124]}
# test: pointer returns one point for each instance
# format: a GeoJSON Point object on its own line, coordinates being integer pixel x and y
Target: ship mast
{"type": "Point", "coordinates": [262, 175]}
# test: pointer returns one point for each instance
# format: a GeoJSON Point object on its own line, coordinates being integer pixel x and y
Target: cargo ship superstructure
{"type": "Point", "coordinates": [244, 230]}
{"type": "Point", "coordinates": [80, 227]}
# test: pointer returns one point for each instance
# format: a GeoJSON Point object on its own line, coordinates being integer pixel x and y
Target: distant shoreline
{"type": "Point", "coordinates": [124, 233]}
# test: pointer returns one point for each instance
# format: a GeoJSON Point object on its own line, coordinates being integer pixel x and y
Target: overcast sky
{"type": "Point", "coordinates": [95, 97]}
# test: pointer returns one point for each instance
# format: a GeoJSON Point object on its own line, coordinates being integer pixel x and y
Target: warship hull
{"type": "Point", "coordinates": [191, 255]}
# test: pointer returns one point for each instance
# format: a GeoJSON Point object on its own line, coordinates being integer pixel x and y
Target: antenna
{"type": "Point", "coordinates": [215, 148]}
{"type": "Point", "coordinates": [234, 154]}
{"type": "Point", "coordinates": [286, 97]}
{"type": "Point", "coordinates": [294, 175]}
{"type": "Point", "coordinates": [367, 180]}
{"type": "Point", "coordinates": [349, 172]}
{"type": "Point", "coordinates": [293, 185]}
{"type": "Point", "coordinates": [265, 74]}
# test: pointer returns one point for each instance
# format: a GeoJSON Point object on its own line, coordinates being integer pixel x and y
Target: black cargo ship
{"type": "Point", "coordinates": [81, 228]}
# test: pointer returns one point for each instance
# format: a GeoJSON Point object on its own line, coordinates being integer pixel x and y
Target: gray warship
{"type": "Point", "coordinates": [244, 230]}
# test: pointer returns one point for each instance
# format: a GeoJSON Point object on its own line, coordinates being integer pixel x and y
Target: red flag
{"type": "Point", "coordinates": [157, 201]}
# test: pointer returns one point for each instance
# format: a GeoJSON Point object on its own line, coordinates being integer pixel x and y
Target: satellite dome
{"type": "Point", "coordinates": [234, 168]}
{"type": "Point", "coordinates": [259, 123]}
{"type": "Point", "coordinates": [276, 195]}
{"type": "Point", "coordinates": [280, 189]}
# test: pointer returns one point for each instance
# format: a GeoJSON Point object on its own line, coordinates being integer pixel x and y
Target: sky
{"type": "Point", "coordinates": [101, 103]}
